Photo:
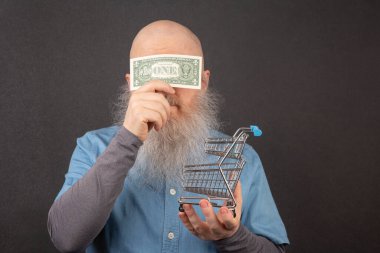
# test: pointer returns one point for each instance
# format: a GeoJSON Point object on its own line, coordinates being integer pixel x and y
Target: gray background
{"type": "Point", "coordinates": [307, 72]}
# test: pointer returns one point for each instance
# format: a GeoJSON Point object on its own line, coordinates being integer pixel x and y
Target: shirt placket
{"type": "Point", "coordinates": [171, 221]}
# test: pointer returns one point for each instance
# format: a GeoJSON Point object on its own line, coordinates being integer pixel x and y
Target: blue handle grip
{"type": "Point", "coordinates": [256, 131]}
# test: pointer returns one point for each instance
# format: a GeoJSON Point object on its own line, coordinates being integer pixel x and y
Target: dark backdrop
{"type": "Point", "coordinates": [307, 72]}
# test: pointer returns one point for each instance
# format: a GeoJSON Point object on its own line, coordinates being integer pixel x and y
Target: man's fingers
{"type": "Point", "coordinates": [194, 219]}
{"type": "Point", "coordinates": [226, 217]}
{"type": "Point", "coordinates": [210, 216]}
{"type": "Point", "coordinates": [148, 115]}
{"type": "Point", "coordinates": [150, 96]}
{"type": "Point", "coordinates": [141, 116]}
{"type": "Point", "coordinates": [156, 86]}
{"type": "Point", "coordinates": [185, 220]}
{"type": "Point", "coordinates": [159, 108]}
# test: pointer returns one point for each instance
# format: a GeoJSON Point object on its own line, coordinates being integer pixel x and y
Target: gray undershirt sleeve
{"type": "Point", "coordinates": [78, 216]}
{"type": "Point", "coordinates": [244, 241]}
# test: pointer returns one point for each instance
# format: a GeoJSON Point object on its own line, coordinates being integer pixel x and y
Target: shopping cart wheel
{"type": "Point", "coordinates": [181, 208]}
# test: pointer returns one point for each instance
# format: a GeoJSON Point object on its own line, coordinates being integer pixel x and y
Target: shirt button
{"type": "Point", "coordinates": [171, 235]}
{"type": "Point", "coordinates": [172, 191]}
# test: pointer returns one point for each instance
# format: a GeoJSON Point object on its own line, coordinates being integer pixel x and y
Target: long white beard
{"type": "Point", "coordinates": [179, 142]}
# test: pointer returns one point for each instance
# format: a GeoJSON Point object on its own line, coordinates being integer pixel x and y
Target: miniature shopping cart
{"type": "Point", "coordinates": [218, 180]}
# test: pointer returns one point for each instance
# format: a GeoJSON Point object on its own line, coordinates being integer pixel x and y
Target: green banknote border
{"type": "Point", "coordinates": [133, 85]}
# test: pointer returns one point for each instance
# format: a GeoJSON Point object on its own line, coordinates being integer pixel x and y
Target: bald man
{"type": "Point", "coordinates": [120, 192]}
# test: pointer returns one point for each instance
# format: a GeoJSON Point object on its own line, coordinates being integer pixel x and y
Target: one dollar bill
{"type": "Point", "coordinates": [183, 71]}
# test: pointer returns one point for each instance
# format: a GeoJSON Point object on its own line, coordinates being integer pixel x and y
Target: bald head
{"type": "Point", "coordinates": [165, 37]}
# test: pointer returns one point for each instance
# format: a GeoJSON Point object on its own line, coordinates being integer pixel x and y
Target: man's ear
{"type": "Point", "coordinates": [127, 78]}
{"type": "Point", "coordinates": [205, 79]}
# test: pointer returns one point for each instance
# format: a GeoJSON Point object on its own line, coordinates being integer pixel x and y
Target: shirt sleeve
{"type": "Point", "coordinates": [92, 185]}
{"type": "Point", "coordinates": [259, 211]}
{"type": "Point", "coordinates": [244, 241]}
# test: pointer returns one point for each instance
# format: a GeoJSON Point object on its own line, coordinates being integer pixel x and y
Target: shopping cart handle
{"type": "Point", "coordinates": [256, 131]}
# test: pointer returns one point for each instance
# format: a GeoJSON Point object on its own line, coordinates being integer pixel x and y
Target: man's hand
{"type": "Point", "coordinates": [147, 108]}
{"type": "Point", "coordinates": [216, 226]}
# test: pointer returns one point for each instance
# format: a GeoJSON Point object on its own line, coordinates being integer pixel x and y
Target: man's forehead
{"type": "Point", "coordinates": [165, 37]}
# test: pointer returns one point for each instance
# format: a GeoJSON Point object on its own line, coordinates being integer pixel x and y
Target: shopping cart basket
{"type": "Point", "coordinates": [218, 180]}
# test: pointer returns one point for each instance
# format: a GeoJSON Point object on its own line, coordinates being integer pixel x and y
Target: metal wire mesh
{"type": "Point", "coordinates": [218, 180]}
{"type": "Point", "coordinates": [218, 146]}
{"type": "Point", "coordinates": [207, 178]}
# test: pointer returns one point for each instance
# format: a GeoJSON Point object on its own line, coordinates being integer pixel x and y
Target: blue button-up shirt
{"type": "Point", "coordinates": [146, 220]}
